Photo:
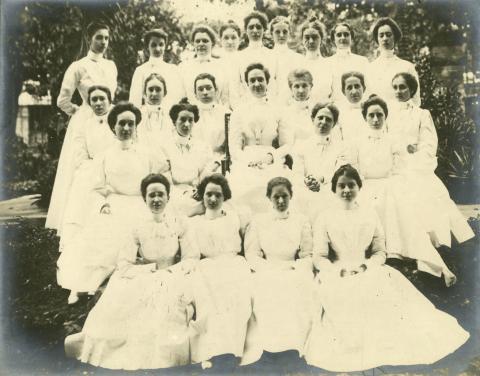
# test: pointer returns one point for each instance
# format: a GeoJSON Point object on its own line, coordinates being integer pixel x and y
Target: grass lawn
{"type": "Point", "coordinates": [36, 317]}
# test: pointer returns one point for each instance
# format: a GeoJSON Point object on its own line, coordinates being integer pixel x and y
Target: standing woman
{"type": "Point", "coordinates": [278, 247]}
{"type": "Point", "coordinates": [203, 39]}
{"type": "Point", "coordinates": [230, 34]}
{"type": "Point", "coordinates": [155, 43]}
{"type": "Point", "coordinates": [312, 34]}
{"type": "Point", "coordinates": [344, 60]}
{"type": "Point", "coordinates": [92, 69]}
{"type": "Point", "coordinates": [221, 279]}
{"type": "Point", "coordinates": [414, 130]}
{"type": "Point", "coordinates": [387, 34]}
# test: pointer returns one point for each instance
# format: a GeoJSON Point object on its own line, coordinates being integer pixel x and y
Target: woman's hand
{"type": "Point", "coordinates": [75, 108]}
{"type": "Point", "coordinates": [263, 162]}
{"type": "Point", "coordinates": [312, 183]}
{"type": "Point", "coordinates": [412, 148]}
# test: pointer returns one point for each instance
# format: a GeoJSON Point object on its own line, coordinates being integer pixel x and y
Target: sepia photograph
{"type": "Point", "coordinates": [240, 187]}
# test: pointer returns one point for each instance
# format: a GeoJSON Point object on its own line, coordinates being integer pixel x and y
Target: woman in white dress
{"type": "Point", "coordinates": [312, 33]}
{"type": "Point", "coordinates": [115, 205]}
{"type": "Point", "coordinates": [141, 320]}
{"type": "Point", "coordinates": [189, 158]}
{"type": "Point", "coordinates": [210, 127]}
{"type": "Point", "coordinates": [278, 247]}
{"type": "Point", "coordinates": [92, 69]}
{"type": "Point", "coordinates": [155, 42]}
{"type": "Point", "coordinates": [221, 281]}
{"type": "Point", "coordinates": [156, 129]}
{"type": "Point", "coordinates": [351, 124]}
{"type": "Point", "coordinates": [90, 140]}
{"type": "Point", "coordinates": [203, 39]}
{"type": "Point", "coordinates": [387, 34]}
{"type": "Point", "coordinates": [414, 130]}
{"type": "Point", "coordinates": [254, 128]}
{"type": "Point", "coordinates": [344, 60]}
{"type": "Point", "coordinates": [375, 154]}
{"type": "Point", "coordinates": [369, 314]}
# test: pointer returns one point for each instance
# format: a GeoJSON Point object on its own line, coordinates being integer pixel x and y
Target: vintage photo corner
{"type": "Point", "coordinates": [240, 187]}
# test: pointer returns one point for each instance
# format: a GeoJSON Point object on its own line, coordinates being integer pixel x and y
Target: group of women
{"type": "Point", "coordinates": [331, 174]}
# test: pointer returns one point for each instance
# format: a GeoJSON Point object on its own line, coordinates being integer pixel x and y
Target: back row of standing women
{"type": "Point", "coordinates": [294, 116]}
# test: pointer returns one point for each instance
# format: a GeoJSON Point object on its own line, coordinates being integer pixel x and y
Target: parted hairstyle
{"type": "Point", "coordinates": [153, 178]}
{"type": "Point", "coordinates": [230, 25]}
{"type": "Point", "coordinates": [347, 75]}
{"type": "Point", "coordinates": [202, 28]}
{"type": "Point", "coordinates": [277, 20]}
{"type": "Point", "coordinates": [397, 32]}
{"type": "Point", "coordinates": [330, 106]}
{"type": "Point", "coordinates": [350, 29]}
{"type": "Point", "coordinates": [183, 105]}
{"type": "Point", "coordinates": [279, 180]}
{"type": "Point", "coordinates": [203, 76]}
{"type": "Point", "coordinates": [93, 27]}
{"type": "Point", "coordinates": [105, 89]}
{"type": "Point", "coordinates": [372, 100]}
{"type": "Point", "coordinates": [261, 17]}
{"type": "Point", "coordinates": [348, 171]}
{"type": "Point", "coordinates": [217, 179]}
{"type": "Point", "coordinates": [410, 80]}
{"type": "Point", "coordinates": [257, 66]}
{"type": "Point", "coordinates": [121, 108]}
{"type": "Point", "coordinates": [299, 74]}
{"type": "Point", "coordinates": [159, 33]}
{"type": "Point", "coordinates": [314, 23]}
{"type": "Point", "coordinates": [157, 76]}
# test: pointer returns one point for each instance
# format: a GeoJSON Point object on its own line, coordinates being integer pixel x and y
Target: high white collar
{"type": "Point", "coordinates": [214, 214]}
{"type": "Point", "coordinates": [376, 133]}
{"type": "Point", "coordinates": [313, 55]}
{"type": "Point", "coordinates": [255, 45]}
{"type": "Point", "coordinates": [153, 108]}
{"type": "Point", "coordinates": [321, 139]}
{"type": "Point", "coordinates": [94, 56]}
{"type": "Point", "coordinates": [156, 60]}
{"type": "Point", "coordinates": [343, 52]}
{"type": "Point", "coordinates": [206, 106]}
{"type": "Point", "coordinates": [277, 215]}
{"type": "Point", "coordinates": [386, 54]}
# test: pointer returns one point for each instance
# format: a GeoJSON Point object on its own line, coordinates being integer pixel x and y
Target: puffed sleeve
{"type": "Point", "coordinates": [305, 254]}
{"type": "Point", "coordinates": [427, 140]}
{"type": "Point", "coordinates": [253, 250]}
{"type": "Point", "coordinates": [135, 95]}
{"type": "Point", "coordinates": [127, 258]}
{"type": "Point", "coordinates": [320, 246]}
{"type": "Point", "coordinates": [69, 85]}
{"type": "Point", "coordinates": [378, 255]}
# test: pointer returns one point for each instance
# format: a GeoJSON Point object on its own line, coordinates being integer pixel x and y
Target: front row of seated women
{"type": "Point", "coordinates": [182, 291]}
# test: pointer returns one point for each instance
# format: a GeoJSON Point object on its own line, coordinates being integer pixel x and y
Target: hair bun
{"type": "Point", "coordinates": [373, 96]}
{"type": "Point", "coordinates": [184, 100]}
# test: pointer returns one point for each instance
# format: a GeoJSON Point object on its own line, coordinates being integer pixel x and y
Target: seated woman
{"type": "Point", "coordinates": [315, 160]}
{"type": "Point", "coordinates": [375, 154]}
{"type": "Point", "coordinates": [414, 130]}
{"type": "Point", "coordinates": [351, 123]}
{"type": "Point", "coordinates": [254, 130]}
{"type": "Point", "coordinates": [369, 314]}
{"type": "Point", "coordinates": [141, 320]}
{"type": "Point", "coordinates": [210, 128]}
{"type": "Point", "coordinates": [90, 140]}
{"type": "Point", "coordinates": [155, 129]}
{"type": "Point", "coordinates": [221, 279]}
{"type": "Point", "coordinates": [115, 205]}
{"type": "Point", "coordinates": [190, 159]}
{"type": "Point", "coordinates": [278, 247]}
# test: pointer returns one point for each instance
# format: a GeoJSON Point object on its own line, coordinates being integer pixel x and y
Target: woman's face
{"type": "Point", "coordinates": [213, 197]}
{"type": "Point", "coordinates": [257, 83]}
{"type": "Point", "coordinates": [401, 89]}
{"type": "Point", "coordinates": [347, 189]}
{"type": "Point", "coordinates": [375, 116]}
{"type": "Point", "coordinates": [353, 89]}
{"type": "Point", "coordinates": [280, 32]}
{"type": "Point", "coordinates": [202, 44]}
{"type": "Point", "coordinates": [205, 91]}
{"type": "Point", "coordinates": [301, 90]}
{"type": "Point", "coordinates": [156, 47]}
{"type": "Point", "coordinates": [254, 30]}
{"type": "Point", "coordinates": [323, 122]}
{"type": "Point", "coordinates": [184, 123]}
{"type": "Point", "coordinates": [280, 198]}
{"type": "Point", "coordinates": [154, 91]}
{"type": "Point", "coordinates": [230, 40]}
{"type": "Point", "coordinates": [125, 125]}
{"type": "Point", "coordinates": [156, 197]}
{"type": "Point", "coordinates": [99, 102]}
{"type": "Point", "coordinates": [311, 39]}
{"type": "Point", "coordinates": [386, 39]}
{"type": "Point", "coordinates": [99, 41]}
{"type": "Point", "coordinates": [343, 38]}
